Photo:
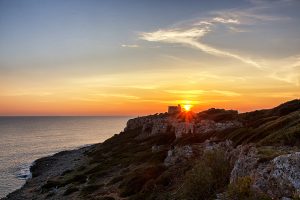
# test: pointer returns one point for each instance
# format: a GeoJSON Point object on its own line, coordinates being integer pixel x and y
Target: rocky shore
{"type": "Point", "coordinates": [47, 167]}
{"type": "Point", "coordinates": [215, 154]}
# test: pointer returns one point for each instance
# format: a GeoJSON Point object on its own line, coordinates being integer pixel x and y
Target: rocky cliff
{"type": "Point", "coordinates": [214, 154]}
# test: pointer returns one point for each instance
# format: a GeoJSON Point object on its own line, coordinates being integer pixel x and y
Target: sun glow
{"type": "Point", "coordinates": [187, 107]}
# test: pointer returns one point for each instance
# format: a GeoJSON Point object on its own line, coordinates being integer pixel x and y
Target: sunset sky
{"type": "Point", "coordinates": [135, 57]}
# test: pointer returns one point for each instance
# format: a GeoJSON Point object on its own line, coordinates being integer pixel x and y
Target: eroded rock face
{"type": "Point", "coordinates": [183, 128]}
{"type": "Point", "coordinates": [160, 124]}
{"type": "Point", "coordinates": [139, 122]}
{"type": "Point", "coordinates": [246, 162]}
{"type": "Point", "coordinates": [278, 178]}
{"type": "Point", "coordinates": [206, 126]}
{"type": "Point", "coordinates": [287, 169]}
{"type": "Point", "coordinates": [178, 154]}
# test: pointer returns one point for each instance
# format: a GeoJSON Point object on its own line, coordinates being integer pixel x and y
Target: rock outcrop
{"type": "Point", "coordinates": [246, 161]}
{"type": "Point", "coordinates": [178, 154]}
{"type": "Point", "coordinates": [163, 123]}
{"type": "Point", "coordinates": [278, 178]}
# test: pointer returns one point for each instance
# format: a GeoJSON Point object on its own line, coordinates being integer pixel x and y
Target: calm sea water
{"type": "Point", "coordinates": [25, 139]}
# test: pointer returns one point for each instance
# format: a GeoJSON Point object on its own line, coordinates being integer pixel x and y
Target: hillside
{"type": "Point", "coordinates": [214, 154]}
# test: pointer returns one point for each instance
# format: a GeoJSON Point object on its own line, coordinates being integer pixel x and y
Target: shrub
{"type": "Point", "coordinates": [267, 153]}
{"type": "Point", "coordinates": [90, 189]}
{"type": "Point", "coordinates": [116, 180]}
{"type": "Point", "coordinates": [51, 184]}
{"type": "Point", "coordinates": [241, 189]}
{"type": "Point", "coordinates": [79, 178]}
{"type": "Point", "coordinates": [198, 183]}
{"type": "Point", "coordinates": [220, 166]}
{"type": "Point", "coordinates": [134, 182]}
{"type": "Point", "coordinates": [164, 179]}
{"type": "Point", "coordinates": [70, 190]}
{"type": "Point", "coordinates": [208, 176]}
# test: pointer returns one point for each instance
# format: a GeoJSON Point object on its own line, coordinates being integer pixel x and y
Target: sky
{"type": "Point", "coordinates": [136, 57]}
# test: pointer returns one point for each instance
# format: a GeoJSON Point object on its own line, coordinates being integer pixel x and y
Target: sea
{"type": "Point", "coordinates": [25, 139]}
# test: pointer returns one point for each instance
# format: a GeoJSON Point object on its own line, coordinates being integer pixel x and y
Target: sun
{"type": "Point", "coordinates": [187, 107]}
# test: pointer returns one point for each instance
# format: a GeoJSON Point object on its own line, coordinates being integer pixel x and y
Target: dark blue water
{"type": "Point", "coordinates": [25, 139]}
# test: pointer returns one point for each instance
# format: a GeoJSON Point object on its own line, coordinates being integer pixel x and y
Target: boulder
{"type": "Point", "coordinates": [278, 178]}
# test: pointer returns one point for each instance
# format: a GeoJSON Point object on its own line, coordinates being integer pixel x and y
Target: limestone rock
{"type": "Point", "coordinates": [245, 163]}
{"type": "Point", "coordinates": [178, 154]}
{"type": "Point", "coordinates": [183, 128]}
{"type": "Point", "coordinates": [207, 126]}
{"type": "Point", "coordinates": [280, 177]}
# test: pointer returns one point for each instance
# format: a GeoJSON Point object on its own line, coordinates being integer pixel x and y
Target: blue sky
{"type": "Point", "coordinates": [61, 50]}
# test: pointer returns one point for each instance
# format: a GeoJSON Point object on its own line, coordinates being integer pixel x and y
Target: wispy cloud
{"type": "Point", "coordinates": [249, 16]}
{"type": "Point", "coordinates": [191, 33]}
{"type": "Point", "coordinates": [226, 21]}
{"type": "Point", "coordinates": [204, 92]}
{"type": "Point", "coordinates": [192, 37]}
{"type": "Point", "coordinates": [130, 45]}
{"type": "Point", "coordinates": [287, 70]}
{"type": "Point", "coordinates": [125, 96]}
{"type": "Point", "coordinates": [28, 93]}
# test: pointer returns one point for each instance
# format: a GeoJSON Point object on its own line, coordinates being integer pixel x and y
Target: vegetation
{"type": "Point", "coordinates": [241, 189]}
{"type": "Point", "coordinates": [218, 115]}
{"type": "Point", "coordinates": [208, 176]}
{"type": "Point", "coordinates": [134, 182]}
{"type": "Point", "coordinates": [70, 190]}
{"type": "Point", "coordinates": [89, 189]}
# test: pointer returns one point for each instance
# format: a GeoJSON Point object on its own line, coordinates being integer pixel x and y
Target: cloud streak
{"type": "Point", "coordinates": [130, 45]}
{"type": "Point", "coordinates": [192, 37]}
{"type": "Point", "coordinates": [191, 33]}
{"type": "Point", "coordinates": [226, 21]}
{"type": "Point", "coordinates": [204, 92]}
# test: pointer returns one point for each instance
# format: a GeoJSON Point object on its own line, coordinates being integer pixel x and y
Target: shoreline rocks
{"type": "Point", "coordinates": [47, 167]}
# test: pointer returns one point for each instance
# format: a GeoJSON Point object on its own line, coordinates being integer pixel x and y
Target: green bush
{"type": "Point", "coordinates": [241, 189]}
{"type": "Point", "coordinates": [134, 182]}
{"type": "Point", "coordinates": [198, 183]}
{"type": "Point", "coordinates": [209, 176]}
{"type": "Point", "coordinates": [221, 168]}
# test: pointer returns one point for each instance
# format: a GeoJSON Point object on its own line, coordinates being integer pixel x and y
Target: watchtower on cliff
{"type": "Point", "coordinates": [174, 109]}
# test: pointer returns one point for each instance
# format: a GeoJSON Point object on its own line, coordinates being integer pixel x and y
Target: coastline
{"type": "Point", "coordinates": [45, 167]}
{"type": "Point", "coordinates": [167, 156]}
{"type": "Point", "coordinates": [29, 175]}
